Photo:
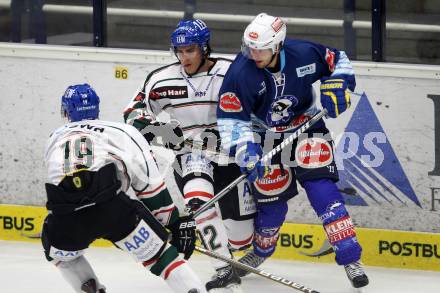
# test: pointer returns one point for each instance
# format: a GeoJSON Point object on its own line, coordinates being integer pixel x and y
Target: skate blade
{"type": "Point", "coordinates": [359, 290]}
{"type": "Point", "coordinates": [235, 289]}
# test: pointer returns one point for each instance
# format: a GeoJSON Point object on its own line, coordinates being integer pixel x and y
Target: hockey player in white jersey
{"type": "Point", "coordinates": [91, 165]}
{"type": "Point", "coordinates": [178, 102]}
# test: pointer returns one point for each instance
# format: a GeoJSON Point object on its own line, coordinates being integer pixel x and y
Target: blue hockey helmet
{"type": "Point", "coordinates": [80, 102]}
{"type": "Point", "coordinates": [190, 32]}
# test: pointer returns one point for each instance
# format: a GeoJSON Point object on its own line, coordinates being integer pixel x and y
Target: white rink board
{"type": "Point", "coordinates": [33, 78]}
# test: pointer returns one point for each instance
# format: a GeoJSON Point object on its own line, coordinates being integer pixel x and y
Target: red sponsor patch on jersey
{"type": "Point", "coordinates": [140, 97]}
{"type": "Point", "coordinates": [294, 124]}
{"type": "Point", "coordinates": [340, 229]}
{"type": "Point", "coordinates": [277, 24]}
{"type": "Point", "coordinates": [313, 153]}
{"type": "Point", "coordinates": [253, 35]}
{"type": "Point", "coordinates": [153, 95]}
{"type": "Point", "coordinates": [275, 182]}
{"type": "Point", "coordinates": [229, 102]}
{"type": "Point", "coordinates": [330, 57]}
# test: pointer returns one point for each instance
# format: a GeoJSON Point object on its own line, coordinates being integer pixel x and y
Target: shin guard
{"type": "Point", "coordinates": [340, 232]}
{"type": "Point", "coordinates": [328, 204]}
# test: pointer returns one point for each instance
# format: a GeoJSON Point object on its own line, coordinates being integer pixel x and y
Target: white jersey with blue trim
{"type": "Point", "coordinates": [92, 144]}
{"type": "Point", "coordinates": [279, 100]}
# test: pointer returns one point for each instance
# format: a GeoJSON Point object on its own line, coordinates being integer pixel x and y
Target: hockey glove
{"type": "Point", "coordinates": [335, 96]}
{"type": "Point", "coordinates": [170, 132]}
{"type": "Point", "coordinates": [184, 235]}
{"type": "Point", "coordinates": [248, 158]}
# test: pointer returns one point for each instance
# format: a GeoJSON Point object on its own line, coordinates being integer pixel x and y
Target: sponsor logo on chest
{"type": "Point", "coordinates": [172, 92]}
{"type": "Point", "coordinates": [307, 69]}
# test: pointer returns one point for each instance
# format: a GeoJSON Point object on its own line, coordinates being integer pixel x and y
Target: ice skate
{"type": "Point", "coordinates": [225, 280]}
{"type": "Point", "coordinates": [250, 259]}
{"type": "Point", "coordinates": [356, 274]}
{"type": "Point", "coordinates": [90, 287]}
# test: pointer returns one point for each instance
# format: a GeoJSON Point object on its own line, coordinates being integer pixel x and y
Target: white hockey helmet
{"type": "Point", "coordinates": [264, 32]}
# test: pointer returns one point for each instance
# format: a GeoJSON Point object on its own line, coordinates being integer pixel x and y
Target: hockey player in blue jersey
{"type": "Point", "coordinates": [270, 84]}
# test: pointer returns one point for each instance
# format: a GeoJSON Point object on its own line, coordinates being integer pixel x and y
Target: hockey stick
{"type": "Point", "coordinates": [260, 272]}
{"type": "Point", "coordinates": [264, 160]}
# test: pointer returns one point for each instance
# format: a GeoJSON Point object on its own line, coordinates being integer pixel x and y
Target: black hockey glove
{"type": "Point", "coordinates": [170, 132]}
{"type": "Point", "coordinates": [184, 235]}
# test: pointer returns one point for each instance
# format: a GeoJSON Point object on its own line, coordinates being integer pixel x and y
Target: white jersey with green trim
{"type": "Point", "coordinates": [92, 144]}
{"type": "Point", "coordinates": [169, 93]}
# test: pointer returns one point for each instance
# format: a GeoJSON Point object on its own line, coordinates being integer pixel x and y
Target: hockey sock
{"type": "Point", "coordinates": [76, 272]}
{"type": "Point", "coordinates": [181, 278]}
{"type": "Point", "coordinates": [212, 232]}
{"type": "Point", "coordinates": [210, 226]}
{"type": "Point", "coordinates": [328, 204]}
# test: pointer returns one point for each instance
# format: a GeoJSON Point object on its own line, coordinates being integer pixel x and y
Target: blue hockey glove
{"type": "Point", "coordinates": [248, 158]}
{"type": "Point", "coordinates": [335, 96]}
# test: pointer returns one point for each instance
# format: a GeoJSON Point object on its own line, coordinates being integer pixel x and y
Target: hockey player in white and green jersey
{"type": "Point", "coordinates": [91, 166]}
{"type": "Point", "coordinates": [176, 103]}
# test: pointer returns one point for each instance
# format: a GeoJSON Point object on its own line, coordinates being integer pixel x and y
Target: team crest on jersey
{"type": "Point", "coordinates": [229, 102]}
{"type": "Point", "coordinates": [274, 183]}
{"type": "Point", "coordinates": [313, 153]}
{"type": "Point", "coordinates": [281, 110]}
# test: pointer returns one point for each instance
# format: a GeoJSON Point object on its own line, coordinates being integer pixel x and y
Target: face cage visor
{"type": "Point", "coordinates": [246, 49]}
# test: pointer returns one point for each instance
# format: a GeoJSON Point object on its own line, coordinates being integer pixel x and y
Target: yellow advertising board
{"type": "Point", "coordinates": [304, 242]}
{"type": "Point", "coordinates": [24, 223]}
{"type": "Point", "coordinates": [385, 248]}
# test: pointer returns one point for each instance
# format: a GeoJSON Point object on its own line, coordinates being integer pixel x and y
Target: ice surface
{"type": "Point", "coordinates": [23, 268]}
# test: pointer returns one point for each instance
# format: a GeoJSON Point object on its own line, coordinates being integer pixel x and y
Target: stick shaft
{"type": "Point", "coordinates": [266, 158]}
{"type": "Point", "coordinates": [260, 272]}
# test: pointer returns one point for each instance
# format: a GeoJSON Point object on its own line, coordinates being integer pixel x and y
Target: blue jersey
{"type": "Point", "coordinates": [251, 96]}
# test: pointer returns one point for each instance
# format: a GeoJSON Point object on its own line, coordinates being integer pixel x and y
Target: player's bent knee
{"type": "Point", "coordinates": [339, 228]}
{"type": "Point", "coordinates": [240, 233]}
